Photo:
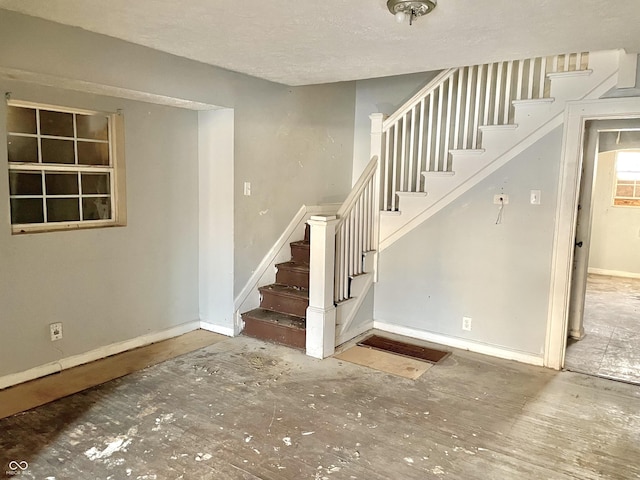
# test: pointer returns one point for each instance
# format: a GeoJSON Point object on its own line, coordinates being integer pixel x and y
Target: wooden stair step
{"type": "Point", "coordinates": [293, 273]}
{"type": "Point", "coordinates": [275, 327]}
{"type": "Point", "coordinates": [285, 299]}
{"type": "Point", "coordinates": [300, 251]}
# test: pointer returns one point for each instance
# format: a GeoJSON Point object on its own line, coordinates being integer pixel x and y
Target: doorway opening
{"type": "Point", "coordinates": [604, 308]}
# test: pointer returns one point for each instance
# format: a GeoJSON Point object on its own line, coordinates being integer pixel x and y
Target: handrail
{"type": "Point", "coordinates": [357, 190]}
{"type": "Point", "coordinates": [423, 92]}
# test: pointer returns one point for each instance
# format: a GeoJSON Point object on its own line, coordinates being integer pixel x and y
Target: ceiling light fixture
{"type": "Point", "coordinates": [413, 9]}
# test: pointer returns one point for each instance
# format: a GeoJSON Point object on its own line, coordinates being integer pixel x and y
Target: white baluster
{"type": "Point", "coordinates": [476, 115]}
{"type": "Point", "coordinates": [420, 140]}
{"type": "Point", "coordinates": [387, 171]}
{"type": "Point", "coordinates": [437, 139]}
{"type": "Point", "coordinates": [498, 94]}
{"type": "Point", "coordinates": [447, 128]}
{"type": "Point", "coordinates": [467, 108]}
{"type": "Point", "coordinates": [429, 161]}
{"type": "Point", "coordinates": [395, 167]}
{"type": "Point", "coordinates": [412, 140]}
{"type": "Point", "coordinates": [507, 94]}
{"type": "Point", "coordinates": [543, 75]}
{"type": "Point", "coordinates": [456, 130]}
{"type": "Point", "coordinates": [520, 84]}
{"type": "Point", "coordinates": [403, 156]}
{"type": "Point", "coordinates": [487, 97]}
{"type": "Point", "coordinates": [531, 73]}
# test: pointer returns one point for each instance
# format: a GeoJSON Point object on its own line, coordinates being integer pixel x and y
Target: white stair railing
{"type": "Point", "coordinates": [446, 115]}
{"type": "Point", "coordinates": [356, 230]}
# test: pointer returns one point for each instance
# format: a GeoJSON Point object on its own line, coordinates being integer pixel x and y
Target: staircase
{"type": "Point", "coordinates": [468, 122]}
{"type": "Point", "coordinates": [456, 131]}
{"type": "Point", "coordinates": [283, 304]}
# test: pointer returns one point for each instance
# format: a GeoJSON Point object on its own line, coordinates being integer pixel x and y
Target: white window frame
{"type": "Point", "coordinates": [636, 186]}
{"type": "Point", "coordinates": [115, 169]}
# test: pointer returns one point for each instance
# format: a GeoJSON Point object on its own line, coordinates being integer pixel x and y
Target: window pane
{"type": "Point", "coordinates": [61, 183]}
{"type": "Point", "coordinates": [95, 183]}
{"type": "Point", "coordinates": [96, 208]}
{"type": "Point", "coordinates": [56, 123]}
{"type": "Point", "coordinates": [624, 191]}
{"type": "Point", "coordinates": [22, 149]}
{"type": "Point", "coordinates": [26, 210]}
{"type": "Point", "coordinates": [628, 162]}
{"type": "Point", "coordinates": [21, 120]}
{"type": "Point", "coordinates": [91, 153]}
{"type": "Point", "coordinates": [95, 127]}
{"type": "Point", "coordinates": [63, 210]}
{"type": "Point", "coordinates": [57, 151]}
{"type": "Point", "coordinates": [23, 183]}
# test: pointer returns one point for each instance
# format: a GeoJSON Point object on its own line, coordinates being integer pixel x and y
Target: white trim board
{"type": "Point", "coordinates": [211, 327]}
{"type": "Point", "coordinates": [461, 343]}
{"type": "Point", "coordinates": [613, 273]}
{"type": "Point", "coordinates": [96, 354]}
{"type": "Point", "coordinates": [576, 116]}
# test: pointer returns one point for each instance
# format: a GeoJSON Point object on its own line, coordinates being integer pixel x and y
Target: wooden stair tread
{"type": "Point", "coordinates": [293, 265]}
{"type": "Point", "coordinates": [286, 291]}
{"type": "Point", "coordinates": [300, 243]}
{"type": "Point", "coordinates": [282, 319]}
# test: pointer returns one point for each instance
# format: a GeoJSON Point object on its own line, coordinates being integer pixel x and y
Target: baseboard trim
{"type": "Point", "coordinates": [613, 273]}
{"type": "Point", "coordinates": [461, 343]}
{"type": "Point", "coordinates": [210, 327]}
{"type": "Point", "coordinates": [96, 354]}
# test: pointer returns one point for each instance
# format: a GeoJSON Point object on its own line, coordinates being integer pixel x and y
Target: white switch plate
{"type": "Point", "coordinates": [501, 199]}
{"type": "Point", "coordinates": [534, 197]}
{"type": "Point", "coordinates": [56, 331]}
{"type": "Point", "coordinates": [466, 323]}
{"type": "Point", "coordinates": [247, 189]}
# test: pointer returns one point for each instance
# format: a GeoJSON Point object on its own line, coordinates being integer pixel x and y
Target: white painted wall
{"type": "Point", "coordinates": [460, 263]}
{"type": "Point", "coordinates": [615, 232]}
{"type": "Point", "coordinates": [379, 95]}
{"type": "Point", "coordinates": [294, 144]}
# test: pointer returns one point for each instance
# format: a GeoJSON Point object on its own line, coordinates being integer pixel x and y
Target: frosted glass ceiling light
{"type": "Point", "coordinates": [413, 9]}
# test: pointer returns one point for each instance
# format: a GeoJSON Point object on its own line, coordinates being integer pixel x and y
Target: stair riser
{"type": "Point", "coordinates": [284, 304]}
{"type": "Point", "coordinates": [300, 254]}
{"type": "Point", "coordinates": [292, 337]}
{"type": "Point", "coordinates": [292, 278]}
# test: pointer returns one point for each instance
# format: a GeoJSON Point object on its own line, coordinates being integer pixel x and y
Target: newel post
{"type": "Point", "coordinates": [321, 313]}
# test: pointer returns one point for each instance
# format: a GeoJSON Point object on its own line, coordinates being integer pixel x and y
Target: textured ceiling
{"type": "Point", "coordinates": [306, 42]}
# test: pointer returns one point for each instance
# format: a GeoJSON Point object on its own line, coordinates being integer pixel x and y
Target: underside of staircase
{"type": "Point", "coordinates": [281, 317]}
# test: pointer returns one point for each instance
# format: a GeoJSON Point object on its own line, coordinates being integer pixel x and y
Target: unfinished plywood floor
{"type": "Point", "coordinates": [611, 346]}
{"type": "Point", "coordinates": [243, 409]}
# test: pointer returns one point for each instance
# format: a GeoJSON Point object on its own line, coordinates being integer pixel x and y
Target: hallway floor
{"type": "Point", "coordinates": [245, 409]}
{"type": "Point", "coordinates": [611, 346]}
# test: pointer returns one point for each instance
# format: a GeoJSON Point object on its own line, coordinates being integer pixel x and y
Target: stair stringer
{"type": "Point", "coordinates": [347, 310]}
{"type": "Point", "coordinates": [500, 144]}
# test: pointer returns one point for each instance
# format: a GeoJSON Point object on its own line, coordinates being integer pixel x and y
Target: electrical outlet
{"type": "Point", "coordinates": [247, 189]}
{"type": "Point", "coordinates": [56, 331]}
{"type": "Point", "coordinates": [501, 199]}
{"type": "Point", "coordinates": [466, 323]}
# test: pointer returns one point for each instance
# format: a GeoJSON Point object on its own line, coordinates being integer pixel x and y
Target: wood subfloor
{"type": "Point", "coordinates": [244, 409]}
{"type": "Point", "coordinates": [611, 345]}
{"type": "Point", "coordinates": [52, 387]}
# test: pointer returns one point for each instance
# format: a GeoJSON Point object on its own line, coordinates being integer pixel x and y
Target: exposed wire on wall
{"type": "Point", "coordinates": [500, 210]}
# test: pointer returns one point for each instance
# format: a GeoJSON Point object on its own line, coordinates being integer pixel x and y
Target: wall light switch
{"type": "Point", "coordinates": [534, 197]}
{"type": "Point", "coordinates": [247, 189]}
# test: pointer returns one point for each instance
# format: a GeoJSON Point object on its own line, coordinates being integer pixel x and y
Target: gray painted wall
{"type": "Point", "coordinates": [380, 95]}
{"type": "Point", "coordinates": [294, 144]}
{"type": "Point", "coordinates": [615, 231]}
{"type": "Point", "coordinates": [461, 263]}
{"type": "Point", "coordinates": [112, 284]}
